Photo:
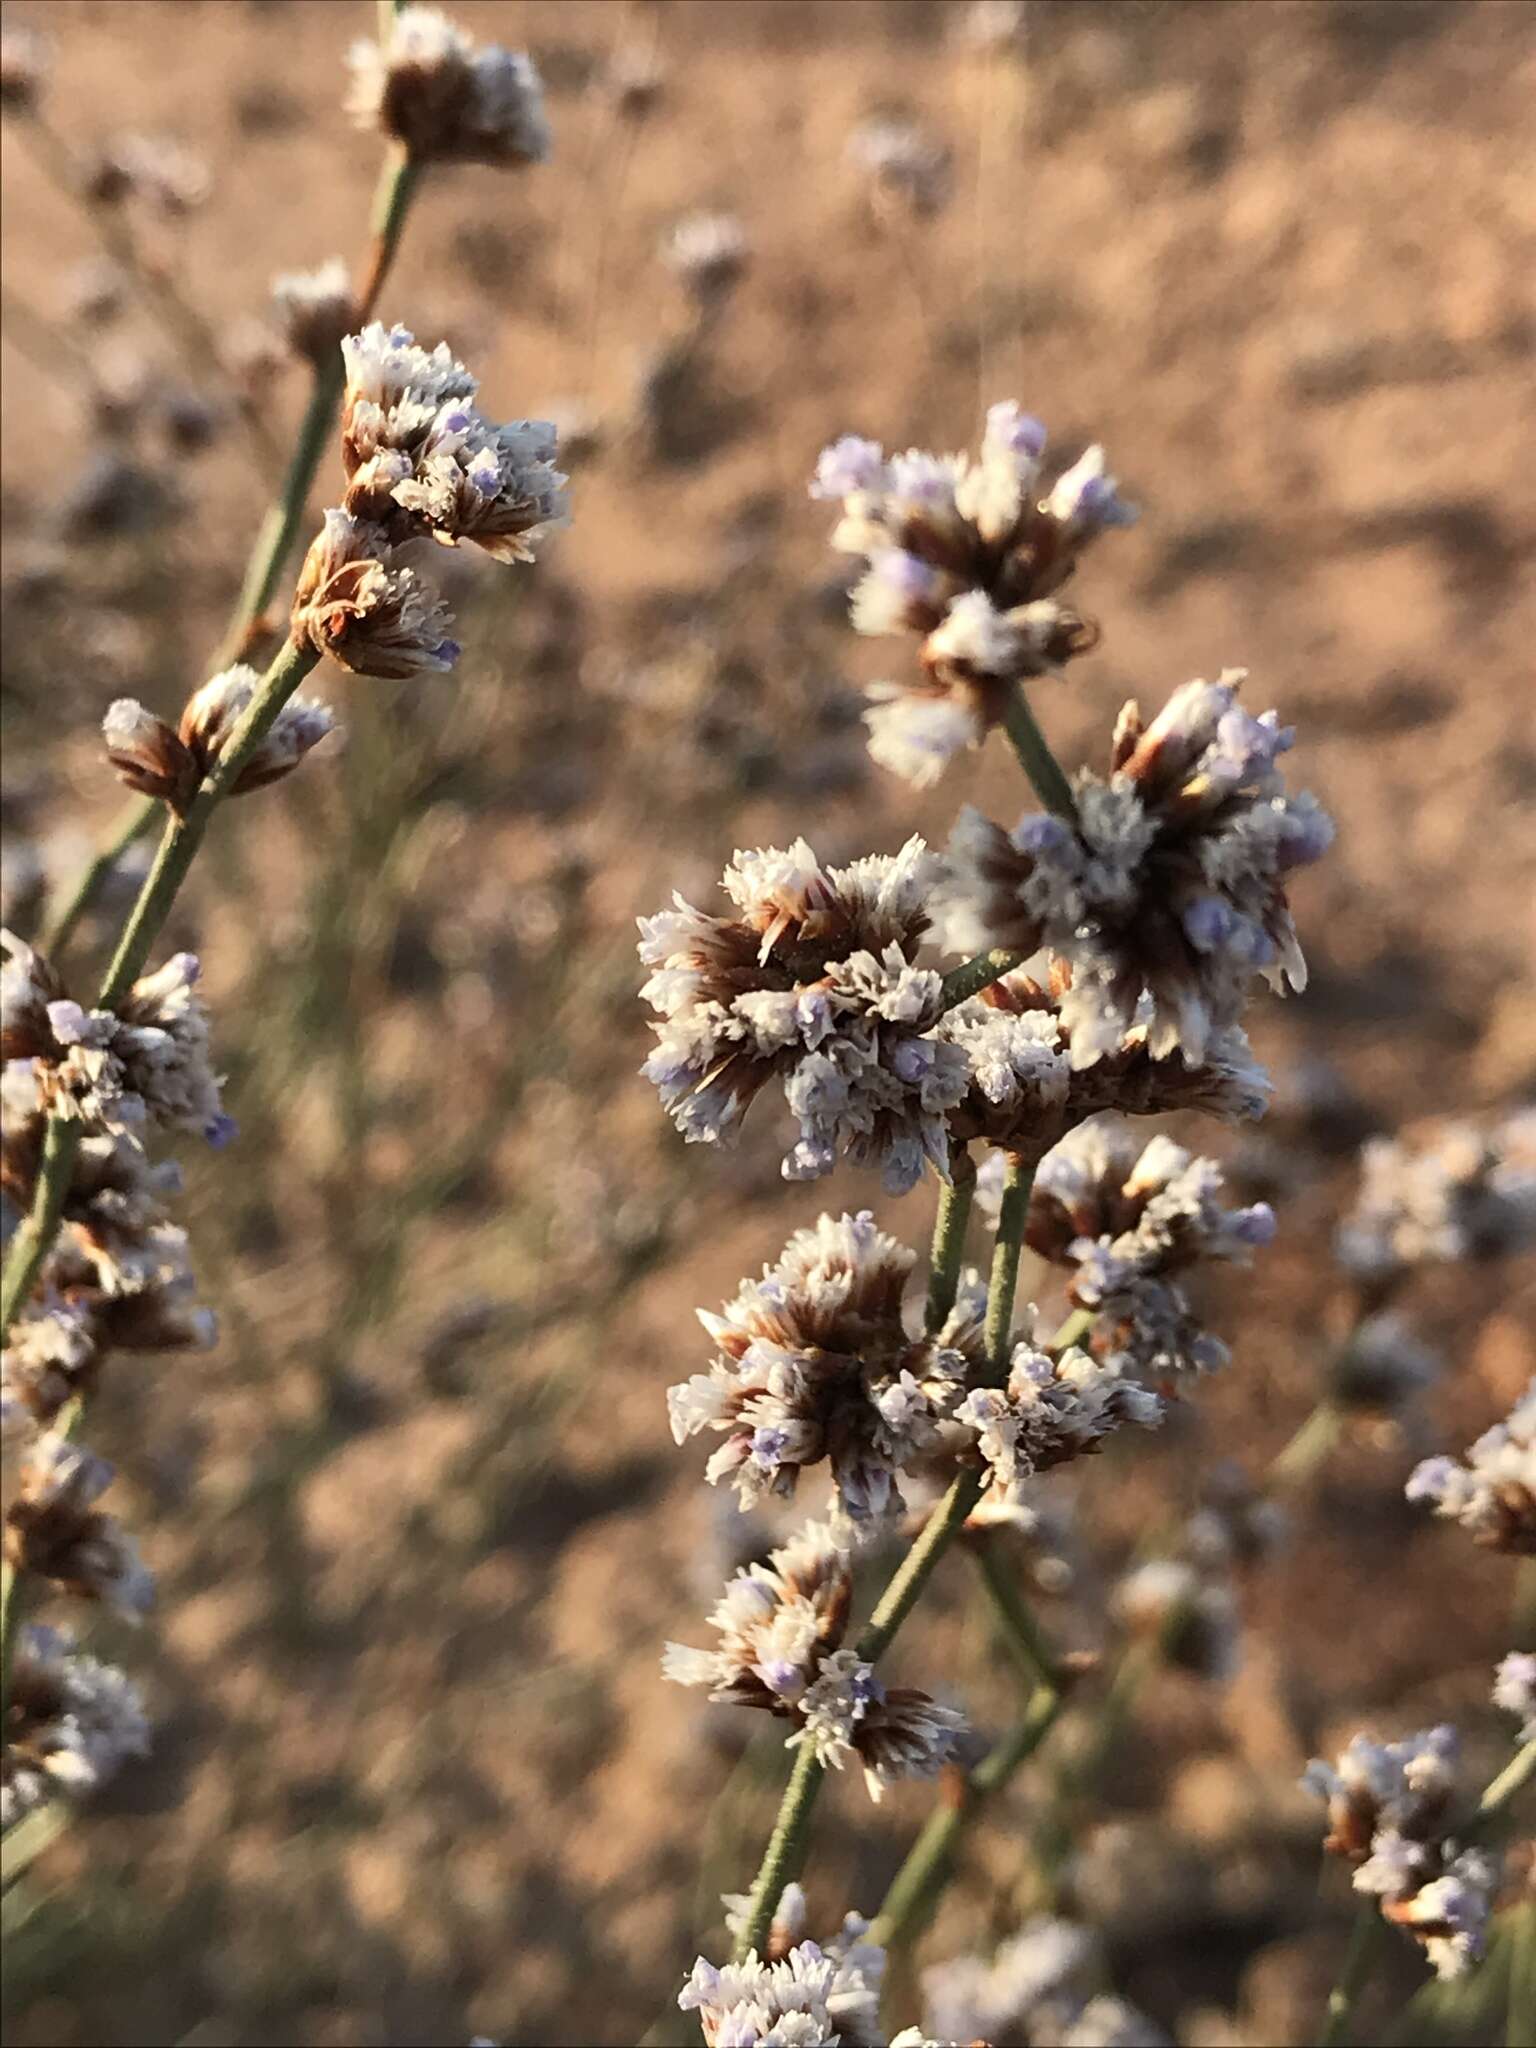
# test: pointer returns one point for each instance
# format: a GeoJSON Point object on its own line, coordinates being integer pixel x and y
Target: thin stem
{"type": "Point", "coordinates": [1358, 1960]}
{"type": "Point", "coordinates": [785, 1852]}
{"type": "Point", "coordinates": [398, 182]}
{"type": "Point", "coordinates": [948, 1254]}
{"type": "Point", "coordinates": [1036, 759]}
{"type": "Point", "coordinates": [183, 836]}
{"type": "Point", "coordinates": [916, 1568]}
{"type": "Point", "coordinates": [1521, 2022]}
{"type": "Point", "coordinates": [1017, 1625]}
{"type": "Point", "coordinates": [1309, 1446]}
{"type": "Point", "coordinates": [1515, 1776]}
{"type": "Point", "coordinates": [31, 1244]}
{"type": "Point", "coordinates": [1073, 1330]}
{"type": "Point", "coordinates": [60, 927]}
{"type": "Point", "coordinates": [961, 983]}
{"type": "Point", "coordinates": [921, 1878]}
{"type": "Point", "coordinates": [1003, 1285]}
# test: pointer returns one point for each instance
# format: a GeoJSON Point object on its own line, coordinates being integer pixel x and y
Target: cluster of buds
{"type": "Point", "coordinates": [709, 255]}
{"type": "Point", "coordinates": [159, 761]}
{"type": "Point", "coordinates": [315, 311]}
{"type": "Point", "coordinates": [968, 556]}
{"type": "Point", "coordinates": [1165, 889]}
{"type": "Point", "coordinates": [1492, 1494]}
{"type": "Point", "coordinates": [428, 88]}
{"type": "Point", "coordinates": [1389, 1807]}
{"type": "Point", "coordinates": [1126, 1220]}
{"type": "Point", "coordinates": [781, 1627]}
{"type": "Point", "coordinates": [421, 461]}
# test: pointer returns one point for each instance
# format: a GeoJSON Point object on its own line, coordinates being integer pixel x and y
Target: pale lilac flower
{"type": "Point", "coordinates": [1037, 1980]}
{"type": "Point", "coordinates": [1051, 1411]}
{"type": "Point", "coordinates": [1514, 1689]}
{"type": "Point", "coordinates": [811, 984]}
{"type": "Point", "coordinates": [368, 610]}
{"type": "Point", "coordinates": [53, 1528]}
{"type": "Point", "coordinates": [158, 762]}
{"type": "Point", "coordinates": [1492, 1494]}
{"type": "Point", "coordinates": [848, 1714]}
{"type": "Point", "coordinates": [808, 1996]}
{"type": "Point", "coordinates": [443, 99]}
{"type": "Point", "coordinates": [815, 1362]}
{"type": "Point", "coordinates": [1387, 1788]}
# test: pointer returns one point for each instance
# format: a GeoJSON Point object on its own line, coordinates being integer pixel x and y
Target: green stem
{"type": "Point", "coordinates": [961, 983]}
{"type": "Point", "coordinates": [1359, 1958]}
{"type": "Point", "coordinates": [32, 1242]}
{"type": "Point", "coordinates": [183, 836]}
{"type": "Point", "coordinates": [1004, 1282]}
{"type": "Point", "coordinates": [948, 1255]}
{"type": "Point", "coordinates": [60, 927]}
{"type": "Point", "coordinates": [917, 1885]}
{"type": "Point", "coordinates": [1515, 1776]}
{"type": "Point", "coordinates": [1521, 2022]}
{"type": "Point", "coordinates": [785, 1853]}
{"type": "Point", "coordinates": [1309, 1446]}
{"type": "Point", "coordinates": [1073, 1330]}
{"type": "Point", "coordinates": [1036, 759]}
{"type": "Point", "coordinates": [1017, 1625]}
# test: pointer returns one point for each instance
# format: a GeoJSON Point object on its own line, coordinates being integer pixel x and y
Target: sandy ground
{"type": "Point", "coordinates": [418, 1523]}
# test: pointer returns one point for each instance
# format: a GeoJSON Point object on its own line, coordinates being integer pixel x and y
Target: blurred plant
{"type": "Point", "coordinates": [96, 1265]}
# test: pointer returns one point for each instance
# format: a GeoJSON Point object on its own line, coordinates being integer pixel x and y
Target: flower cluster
{"type": "Point", "coordinates": [443, 100]}
{"type": "Point", "coordinates": [1051, 1410]}
{"type": "Point", "coordinates": [1388, 1809]}
{"type": "Point", "coordinates": [815, 1364]}
{"type": "Point", "coordinates": [1514, 1690]}
{"type": "Point", "coordinates": [1492, 1494]}
{"type": "Point", "coordinates": [1188, 1612]}
{"type": "Point", "coordinates": [1036, 1990]}
{"type": "Point", "coordinates": [1454, 1193]}
{"type": "Point", "coordinates": [421, 461]}
{"type": "Point", "coordinates": [812, 983]}
{"type": "Point", "coordinates": [966, 555]}
{"type": "Point", "coordinates": [805, 1994]}
{"type": "Point", "coordinates": [315, 310]}
{"type": "Point", "coordinates": [780, 1627]}
{"type": "Point", "coordinates": [157, 761]}
{"type": "Point", "coordinates": [71, 1723]}
{"type": "Point", "coordinates": [1166, 886]}
{"type": "Point", "coordinates": [54, 1528]}
{"type": "Point", "coordinates": [1126, 1219]}
{"type": "Point", "coordinates": [147, 1061]}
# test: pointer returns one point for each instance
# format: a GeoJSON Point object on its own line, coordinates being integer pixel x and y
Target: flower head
{"type": "Point", "coordinates": [72, 1723]}
{"type": "Point", "coordinates": [709, 254]}
{"type": "Point", "coordinates": [1493, 1493]}
{"type": "Point", "coordinates": [811, 983]}
{"type": "Point", "coordinates": [158, 762]}
{"type": "Point", "coordinates": [315, 310]}
{"type": "Point", "coordinates": [443, 99]}
{"type": "Point", "coordinates": [53, 1528]}
{"type": "Point", "coordinates": [1052, 1409]}
{"type": "Point", "coordinates": [808, 1995]}
{"type": "Point", "coordinates": [960, 553]}
{"type": "Point", "coordinates": [815, 1363]}
{"type": "Point", "coordinates": [1192, 1617]}
{"type": "Point", "coordinates": [1166, 889]}
{"type": "Point", "coordinates": [358, 603]}
{"type": "Point", "coordinates": [1514, 1689]}
{"type": "Point", "coordinates": [1454, 1192]}
{"type": "Point", "coordinates": [780, 1628]}
{"type": "Point", "coordinates": [1036, 1987]}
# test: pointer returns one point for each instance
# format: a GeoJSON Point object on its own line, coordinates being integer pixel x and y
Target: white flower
{"type": "Point", "coordinates": [1492, 1495]}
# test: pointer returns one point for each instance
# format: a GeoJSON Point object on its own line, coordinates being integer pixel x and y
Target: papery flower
{"type": "Point", "coordinates": [1450, 1914]}
{"type": "Point", "coordinates": [960, 553]}
{"type": "Point", "coordinates": [71, 1724]}
{"type": "Point", "coordinates": [149, 1060]}
{"type": "Point", "coordinates": [709, 254]}
{"type": "Point", "coordinates": [53, 1528]}
{"type": "Point", "coordinates": [315, 310]}
{"type": "Point", "coordinates": [358, 603]}
{"type": "Point", "coordinates": [1126, 1219]}
{"type": "Point", "coordinates": [811, 984]}
{"type": "Point", "coordinates": [1167, 888]}
{"type": "Point", "coordinates": [446, 101]}
{"type": "Point", "coordinates": [26, 58]}
{"type": "Point", "coordinates": [1514, 1690]}
{"type": "Point", "coordinates": [158, 762]}
{"type": "Point", "coordinates": [1493, 1494]}
{"type": "Point", "coordinates": [1053, 1409]}
{"type": "Point", "coordinates": [421, 460]}
{"type": "Point", "coordinates": [903, 162]}
{"type": "Point", "coordinates": [815, 1363]}
{"type": "Point", "coordinates": [809, 1995]}
{"type": "Point", "coordinates": [1192, 1617]}
{"type": "Point", "coordinates": [1387, 1789]}
{"type": "Point", "coordinates": [780, 1627]}
{"type": "Point", "coordinates": [1454, 1192]}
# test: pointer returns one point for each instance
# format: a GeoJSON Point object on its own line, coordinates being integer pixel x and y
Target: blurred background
{"type": "Point", "coordinates": [418, 1523]}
